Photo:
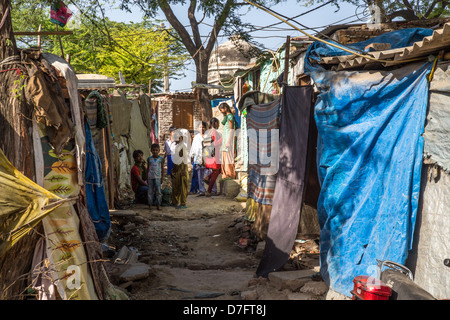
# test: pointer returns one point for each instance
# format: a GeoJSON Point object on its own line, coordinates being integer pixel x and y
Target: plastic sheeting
{"type": "Point", "coordinates": [436, 146]}
{"type": "Point", "coordinates": [431, 238]}
{"type": "Point", "coordinates": [23, 204]}
{"type": "Point", "coordinates": [369, 161]}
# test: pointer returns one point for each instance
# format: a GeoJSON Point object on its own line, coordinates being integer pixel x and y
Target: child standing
{"type": "Point", "coordinates": [180, 173]}
{"type": "Point", "coordinates": [212, 160]}
{"type": "Point", "coordinates": [155, 175]}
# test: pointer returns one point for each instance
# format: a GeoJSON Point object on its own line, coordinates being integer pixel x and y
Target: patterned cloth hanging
{"type": "Point", "coordinates": [60, 14]}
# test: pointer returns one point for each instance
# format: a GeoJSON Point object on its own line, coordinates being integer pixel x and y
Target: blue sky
{"type": "Point", "coordinates": [269, 39]}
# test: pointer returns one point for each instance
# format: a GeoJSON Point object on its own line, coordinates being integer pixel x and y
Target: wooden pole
{"type": "Point", "coordinates": [39, 37]}
{"type": "Point", "coordinates": [42, 33]}
{"type": "Point", "coordinates": [60, 44]}
{"type": "Point", "coordinates": [286, 60]}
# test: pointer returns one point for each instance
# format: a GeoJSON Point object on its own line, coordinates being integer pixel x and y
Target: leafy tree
{"type": "Point", "coordinates": [140, 51]}
{"type": "Point", "coordinates": [148, 51]}
{"type": "Point", "coordinates": [226, 19]}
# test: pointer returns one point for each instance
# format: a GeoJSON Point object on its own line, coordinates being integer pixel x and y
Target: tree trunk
{"type": "Point", "coordinates": [202, 78]}
{"type": "Point", "coordinates": [17, 144]}
{"type": "Point", "coordinates": [7, 40]}
{"type": "Point", "coordinates": [379, 4]}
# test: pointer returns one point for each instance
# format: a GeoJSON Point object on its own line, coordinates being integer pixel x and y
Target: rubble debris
{"type": "Point", "coordinates": [317, 288]}
{"type": "Point", "coordinates": [249, 294]}
{"type": "Point", "coordinates": [136, 271]}
{"type": "Point", "coordinates": [292, 280]}
{"type": "Point", "coordinates": [126, 255]}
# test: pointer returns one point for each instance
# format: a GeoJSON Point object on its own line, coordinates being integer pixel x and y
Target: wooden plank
{"type": "Point", "coordinates": [42, 33]}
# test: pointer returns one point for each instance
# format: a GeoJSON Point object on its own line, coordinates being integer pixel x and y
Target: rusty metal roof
{"type": "Point", "coordinates": [439, 40]}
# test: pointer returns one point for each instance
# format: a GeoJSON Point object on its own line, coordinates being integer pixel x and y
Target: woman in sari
{"type": "Point", "coordinates": [229, 125]}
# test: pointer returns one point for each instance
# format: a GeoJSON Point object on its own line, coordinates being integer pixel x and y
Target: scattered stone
{"type": "Point", "coordinates": [317, 288]}
{"type": "Point", "coordinates": [231, 188]}
{"type": "Point", "coordinates": [300, 296]}
{"type": "Point", "coordinates": [122, 213]}
{"type": "Point", "coordinates": [126, 255]}
{"type": "Point", "coordinates": [239, 225]}
{"type": "Point", "coordinates": [257, 281]}
{"type": "Point", "coordinates": [334, 295]}
{"type": "Point", "coordinates": [134, 272]}
{"type": "Point", "coordinates": [292, 280]}
{"type": "Point", "coordinates": [249, 295]}
{"type": "Point", "coordinates": [260, 249]}
{"type": "Point", "coordinates": [126, 284]}
{"type": "Point", "coordinates": [129, 226]}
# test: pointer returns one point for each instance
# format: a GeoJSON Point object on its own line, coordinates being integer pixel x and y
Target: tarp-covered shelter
{"type": "Point", "coordinates": [131, 130]}
{"type": "Point", "coordinates": [371, 125]}
{"type": "Point", "coordinates": [122, 119]}
{"type": "Point", "coordinates": [381, 170]}
{"type": "Point", "coordinates": [62, 253]}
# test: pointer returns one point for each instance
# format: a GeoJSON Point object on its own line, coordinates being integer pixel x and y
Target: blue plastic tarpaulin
{"type": "Point", "coordinates": [369, 155]}
{"type": "Point", "coordinates": [95, 190]}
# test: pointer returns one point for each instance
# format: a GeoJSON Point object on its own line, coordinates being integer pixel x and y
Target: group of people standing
{"type": "Point", "coordinates": [211, 154]}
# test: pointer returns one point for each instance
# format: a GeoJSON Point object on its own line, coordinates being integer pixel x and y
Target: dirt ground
{"type": "Point", "coordinates": [205, 251]}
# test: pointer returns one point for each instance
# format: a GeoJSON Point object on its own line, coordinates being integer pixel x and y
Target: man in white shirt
{"type": "Point", "coordinates": [196, 154]}
{"type": "Point", "coordinates": [169, 150]}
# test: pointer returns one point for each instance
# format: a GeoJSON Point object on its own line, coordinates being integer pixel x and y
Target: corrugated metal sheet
{"type": "Point", "coordinates": [95, 81]}
{"type": "Point", "coordinates": [439, 40]}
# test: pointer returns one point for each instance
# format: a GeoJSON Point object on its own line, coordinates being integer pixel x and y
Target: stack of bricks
{"type": "Point", "coordinates": [165, 119]}
{"type": "Point", "coordinates": [351, 35]}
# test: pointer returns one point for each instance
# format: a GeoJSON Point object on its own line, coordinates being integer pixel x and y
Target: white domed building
{"type": "Point", "coordinates": [228, 58]}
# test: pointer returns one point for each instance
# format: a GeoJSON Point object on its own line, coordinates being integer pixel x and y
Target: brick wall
{"type": "Point", "coordinates": [164, 119]}
{"type": "Point", "coordinates": [356, 35]}
{"type": "Point", "coordinates": [165, 112]}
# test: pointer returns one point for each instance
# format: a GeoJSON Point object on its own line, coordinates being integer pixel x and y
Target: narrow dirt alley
{"type": "Point", "coordinates": [192, 253]}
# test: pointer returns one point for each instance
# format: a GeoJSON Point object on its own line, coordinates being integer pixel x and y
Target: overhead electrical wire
{"type": "Point", "coordinates": [297, 16]}
{"type": "Point", "coordinates": [339, 46]}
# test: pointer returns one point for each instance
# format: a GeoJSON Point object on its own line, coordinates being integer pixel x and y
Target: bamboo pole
{"type": "Point", "coordinates": [286, 60]}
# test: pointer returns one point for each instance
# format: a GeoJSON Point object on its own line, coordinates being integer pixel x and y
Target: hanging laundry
{"type": "Point", "coordinates": [290, 180]}
{"type": "Point", "coordinates": [95, 195]}
{"type": "Point", "coordinates": [60, 14]}
{"type": "Point", "coordinates": [96, 111]}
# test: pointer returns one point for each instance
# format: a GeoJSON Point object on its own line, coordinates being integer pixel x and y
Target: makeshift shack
{"type": "Point", "coordinates": [122, 120]}
{"type": "Point", "coordinates": [389, 102]}
{"type": "Point", "coordinates": [61, 253]}
{"type": "Point", "coordinates": [380, 129]}
{"type": "Point", "coordinates": [132, 130]}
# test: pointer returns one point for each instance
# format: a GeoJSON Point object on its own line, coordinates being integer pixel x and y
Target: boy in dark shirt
{"type": "Point", "coordinates": [139, 177]}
